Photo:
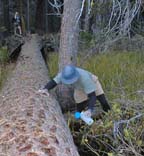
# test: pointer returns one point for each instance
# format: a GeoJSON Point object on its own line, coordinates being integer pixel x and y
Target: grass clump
{"type": "Point", "coordinates": [121, 74]}
{"type": "Point", "coordinates": [5, 68]}
{"type": "Point", "coordinates": [2, 75]}
{"type": "Point", "coordinates": [52, 62]}
{"type": "Point", "coordinates": [3, 55]}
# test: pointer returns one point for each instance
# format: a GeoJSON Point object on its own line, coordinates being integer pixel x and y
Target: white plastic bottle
{"type": "Point", "coordinates": [86, 119]}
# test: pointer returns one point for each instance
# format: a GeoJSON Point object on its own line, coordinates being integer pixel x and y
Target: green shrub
{"type": "Point", "coordinates": [52, 62]}
{"type": "Point", "coordinates": [121, 74]}
{"type": "Point", "coordinates": [85, 38]}
{"type": "Point", "coordinates": [5, 70]}
{"type": "Point", "coordinates": [3, 73]}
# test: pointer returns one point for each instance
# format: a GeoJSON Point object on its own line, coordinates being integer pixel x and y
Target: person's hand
{"type": "Point", "coordinates": [43, 91]}
{"type": "Point", "coordinates": [88, 113]}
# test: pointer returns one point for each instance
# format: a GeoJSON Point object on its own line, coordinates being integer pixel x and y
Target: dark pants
{"type": "Point", "coordinates": [101, 98]}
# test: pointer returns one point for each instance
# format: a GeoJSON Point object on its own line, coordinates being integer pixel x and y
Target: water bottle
{"type": "Point", "coordinates": [86, 119]}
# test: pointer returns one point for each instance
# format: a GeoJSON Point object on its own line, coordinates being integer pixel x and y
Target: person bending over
{"type": "Point", "coordinates": [87, 88]}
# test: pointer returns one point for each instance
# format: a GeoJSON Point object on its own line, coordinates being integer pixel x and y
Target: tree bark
{"type": "Point", "coordinates": [87, 17]}
{"type": "Point", "coordinates": [68, 44]}
{"type": "Point", "coordinates": [69, 33]}
{"type": "Point", "coordinates": [6, 15]}
{"type": "Point", "coordinates": [32, 124]}
{"type": "Point", "coordinates": [40, 16]}
{"type": "Point", "coordinates": [28, 16]}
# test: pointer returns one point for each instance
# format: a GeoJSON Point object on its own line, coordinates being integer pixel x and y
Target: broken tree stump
{"type": "Point", "coordinates": [14, 44]}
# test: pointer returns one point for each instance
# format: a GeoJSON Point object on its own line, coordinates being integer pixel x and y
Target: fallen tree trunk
{"type": "Point", "coordinates": [32, 124]}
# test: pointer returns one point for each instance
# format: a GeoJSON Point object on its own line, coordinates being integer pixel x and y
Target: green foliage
{"type": "Point", "coordinates": [2, 29]}
{"type": "Point", "coordinates": [98, 139]}
{"type": "Point", "coordinates": [4, 67]}
{"type": "Point", "coordinates": [86, 36]}
{"type": "Point", "coordinates": [86, 39]}
{"type": "Point", "coordinates": [121, 75]}
{"type": "Point", "coordinates": [3, 55]}
{"type": "Point", "coordinates": [3, 74]}
{"type": "Point", "coordinates": [52, 62]}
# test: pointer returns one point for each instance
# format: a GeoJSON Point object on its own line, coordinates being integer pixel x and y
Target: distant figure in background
{"type": "Point", "coordinates": [17, 24]}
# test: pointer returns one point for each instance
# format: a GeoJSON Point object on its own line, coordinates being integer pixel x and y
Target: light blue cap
{"type": "Point", "coordinates": [69, 74]}
{"type": "Point", "coordinates": [77, 115]}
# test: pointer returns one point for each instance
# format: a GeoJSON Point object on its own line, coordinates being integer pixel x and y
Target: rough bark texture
{"type": "Point", "coordinates": [69, 33]}
{"type": "Point", "coordinates": [6, 15]}
{"type": "Point", "coordinates": [40, 16]}
{"type": "Point", "coordinates": [32, 124]}
{"type": "Point", "coordinates": [68, 45]}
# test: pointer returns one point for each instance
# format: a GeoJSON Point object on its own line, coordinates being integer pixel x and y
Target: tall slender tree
{"type": "Point", "coordinates": [40, 16]}
{"type": "Point", "coordinates": [68, 42]}
{"type": "Point", "coordinates": [6, 14]}
{"type": "Point", "coordinates": [69, 33]}
{"type": "Point", "coordinates": [28, 15]}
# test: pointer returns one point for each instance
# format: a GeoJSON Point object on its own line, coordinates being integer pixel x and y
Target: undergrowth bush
{"type": "Point", "coordinates": [120, 132]}
{"type": "Point", "coordinates": [2, 75]}
{"type": "Point", "coordinates": [3, 55]}
{"type": "Point", "coordinates": [121, 74]}
{"type": "Point", "coordinates": [52, 62]}
{"type": "Point", "coordinates": [103, 139]}
{"type": "Point", "coordinates": [4, 67]}
{"type": "Point", "coordinates": [5, 70]}
{"type": "Point", "coordinates": [85, 39]}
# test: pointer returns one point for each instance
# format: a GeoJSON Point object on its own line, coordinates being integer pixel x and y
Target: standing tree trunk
{"type": "Point", "coordinates": [69, 33]}
{"type": "Point", "coordinates": [28, 16]}
{"type": "Point", "coordinates": [19, 6]}
{"type": "Point", "coordinates": [46, 16]}
{"type": "Point", "coordinates": [68, 43]}
{"type": "Point", "coordinates": [87, 16]}
{"type": "Point", "coordinates": [40, 11]}
{"type": "Point", "coordinates": [6, 15]}
{"type": "Point", "coordinates": [32, 124]}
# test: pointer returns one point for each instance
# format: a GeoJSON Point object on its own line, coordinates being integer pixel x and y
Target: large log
{"type": "Point", "coordinates": [32, 124]}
